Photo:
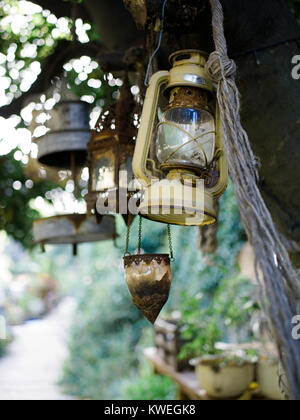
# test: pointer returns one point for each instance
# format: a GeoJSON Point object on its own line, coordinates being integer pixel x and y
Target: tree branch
{"type": "Point", "coordinates": [51, 67]}
{"type": "Point", "coordinates": [63, 8]}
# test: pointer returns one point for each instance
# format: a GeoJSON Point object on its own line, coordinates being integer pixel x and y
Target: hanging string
{"type": "Point", "coordinates": [280, 286]}
{"type": "Point", "coordinates": [160, 38]}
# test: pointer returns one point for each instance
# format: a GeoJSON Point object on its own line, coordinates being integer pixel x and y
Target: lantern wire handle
{"type": "Point", "coordinates": [159, 43]}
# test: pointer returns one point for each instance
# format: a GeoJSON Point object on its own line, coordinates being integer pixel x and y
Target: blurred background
{"type": "Point", "coordinates": [71, 328]}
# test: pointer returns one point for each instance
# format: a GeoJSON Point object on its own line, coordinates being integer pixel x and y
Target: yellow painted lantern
{"type": "Point", "coordinates": [179, 156]}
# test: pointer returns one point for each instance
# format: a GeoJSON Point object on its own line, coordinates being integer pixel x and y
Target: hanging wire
{"type": "Point", "coordinates": [127, 240]}
{"type": "Point", "coordinates": [140, 235]}
{"type": "Point", "coordinates": [158, 44]}
{"type": "Point", "coordinates": [170, 244]}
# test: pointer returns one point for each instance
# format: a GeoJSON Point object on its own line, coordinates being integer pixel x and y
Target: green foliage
{"type": "Point", "coordinates": [34, 43]}
{"type": "Point", "coordinates": [106, 316]}
{"type": "Point", "coordinates": [107, 326]}
{"type": "Point", "coordinates": [150, 388]}
{"type": "Point", "coordinates": [235, 301]}
{"type": "Point", "coordinates": [16, 215]}
{"type": "Point", "coordinates": [222, 302]}
{"type": "Point", "coordinates": [206, 274]}
{"type": "Point", "coordinates": [98, 364]}
{"type": "Point", "coordinates": [202, 329]}
{"type": "Point", "coordinates": [3, 347]}
{"type": "Point", "coordinates": [27, 38]}
{"type": "Point", "coordinates": [227, 314]}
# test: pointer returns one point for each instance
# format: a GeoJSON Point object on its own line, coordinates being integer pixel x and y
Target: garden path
{"type": "Point", "coordinates": [33, 365]}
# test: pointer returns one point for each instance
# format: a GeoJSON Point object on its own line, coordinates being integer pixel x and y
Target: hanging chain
{"type": "Point", "coordinates": [170, 244]}
{"type": "Point", "coordinates": [140, 235]}
{"type": "Point", "coordinates": [127, 239]}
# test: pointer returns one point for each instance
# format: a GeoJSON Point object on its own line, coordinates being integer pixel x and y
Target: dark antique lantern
{"type": "Point", "coordinates": [65, 143]}
{"type": "Point", "coordinates": [110, 153]}
{"type": "Point", "coordinates": [64, 146]}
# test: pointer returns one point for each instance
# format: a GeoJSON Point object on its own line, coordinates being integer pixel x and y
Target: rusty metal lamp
{"type": "Point", "coordinates": [65, 143]}
{"type": "Point", "coordinates": [148, 277]}
{"type": "Point", "coordinates": [73, 229]}
{"type": "Point", "coordinates": [110, 153]}
{"type": "Point", "coordinates": [65, 147]}
{"type": "Point", "coordinates": [189, 169]}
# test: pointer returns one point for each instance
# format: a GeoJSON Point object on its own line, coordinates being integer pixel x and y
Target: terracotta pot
{"type": "Point", "coordinates": [228, 381]}
{"type": "Point", "coordinates": [268, 380]}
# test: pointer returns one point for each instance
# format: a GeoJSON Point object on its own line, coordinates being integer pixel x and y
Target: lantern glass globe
{"type": "Point", "coordinates": [186, 135]}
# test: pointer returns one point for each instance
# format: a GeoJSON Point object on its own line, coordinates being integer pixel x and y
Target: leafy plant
{"type": "Point", "coordinates": [224, 303]}
{"type": "Point", "coordinates": [150, 387]}
{"type": "Point", "coordinates": [228, 314]}
{"type": "Point", "coordinates": [16, 192]}
{"type": "Point", "coordinates": [107, 327]}
{"type": "Point", "coordinates": [201, 331]}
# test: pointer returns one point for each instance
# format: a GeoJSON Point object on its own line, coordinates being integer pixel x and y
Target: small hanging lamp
{"type": "Point", "coordinates": [110, 153]}
{"type": "Point", "coordinates": [184, 128]}
{"type": "Point", "coordinates": [64, 146]}
{"type": "Point", "coordinates": [73, 229]}
{"type": "Point", "coordinates": [148, 277]}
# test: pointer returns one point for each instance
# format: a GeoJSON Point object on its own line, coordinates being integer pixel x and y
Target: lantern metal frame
{"type": "Point", "coordinates": [115, 134]}
{"type": "Point", "coordinates": [188, 72]}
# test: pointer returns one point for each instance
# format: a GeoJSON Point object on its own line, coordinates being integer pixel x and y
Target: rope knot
{"type": "Point", "coordinates": [220, 66]}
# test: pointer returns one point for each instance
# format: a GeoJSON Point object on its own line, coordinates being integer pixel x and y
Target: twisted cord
{"type": "Point", "coordinates": [280, 286]}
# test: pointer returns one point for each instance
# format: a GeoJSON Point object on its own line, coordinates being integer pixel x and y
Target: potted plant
{"type": "Point", "coordinates": [223, 374]}
{"type": "Point", "coordinates": [269, 380]}
{"type": "Point", "coordinates": [270, 375]}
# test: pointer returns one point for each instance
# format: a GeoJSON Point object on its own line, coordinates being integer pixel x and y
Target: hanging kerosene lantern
{"type": "Point", "coordinates": [64, 146]}
{"type": "Point", "coordinates": [65, 143]}
{"type": "Point", "coordinates": [185, 126]}
{"type": "Point", "coordinates": [148, 277]}
{"type": "Point", "coordinates": [110, 153]}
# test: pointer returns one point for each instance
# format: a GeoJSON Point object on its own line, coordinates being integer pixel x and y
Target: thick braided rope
{"type": "Point", "coordinates": [280, 287]}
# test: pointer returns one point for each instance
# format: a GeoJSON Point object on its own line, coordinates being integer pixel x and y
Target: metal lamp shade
{"type": "Point", "coordinates": [73, 229]}
{"type": "Point", "coordinates": [69, 133]}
